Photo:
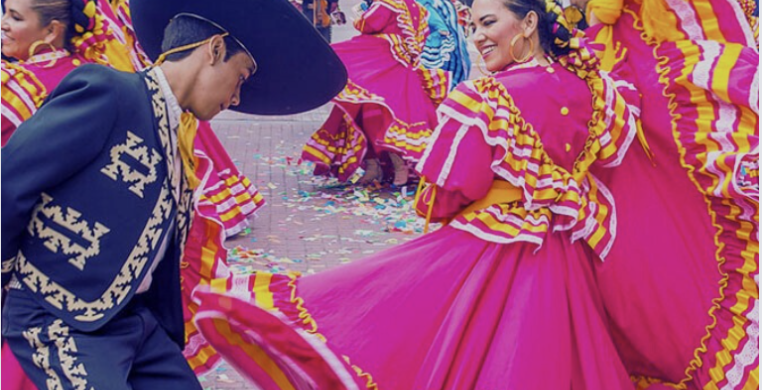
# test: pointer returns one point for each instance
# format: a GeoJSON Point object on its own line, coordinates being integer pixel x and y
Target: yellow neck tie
{"type": "Point", "coordinates": [186, 134]}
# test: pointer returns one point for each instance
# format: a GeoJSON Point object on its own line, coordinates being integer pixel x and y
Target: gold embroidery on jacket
{"type": "Point", "coordinates": [139, 152]}
{"type": "Point", "coordinates": [9, 264]}
{"type": "Point", "coordinates": [61, 298]}
{"type": "Point", "coordinates": [71, 220]}
{"type": "Point", "coordinates": [58, 334]}
{"type": "Point", "coordinates": [184, 196]}
{"type": "Point", "coordinates": [90, 311]}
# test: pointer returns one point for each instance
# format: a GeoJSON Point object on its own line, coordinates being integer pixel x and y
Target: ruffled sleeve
{"type": "Point", "coordinates": [375, 19]}
{"type": "Point", "coordinates": [483, 137]}
{"type": "Point", "coordinates": [22, 93]}
{"type": "Point", "coordinates": [456, 188]}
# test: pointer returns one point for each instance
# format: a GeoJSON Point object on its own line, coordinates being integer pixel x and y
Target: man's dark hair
{"type": "Point", "coordinates": [185, 30]}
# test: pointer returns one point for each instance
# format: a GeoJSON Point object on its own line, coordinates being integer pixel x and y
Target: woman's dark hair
{"type": "Point", "coordinates": [545, 26]}
{"type": "Point", "coordinates": [184, 30]}
{"type": "Point", "coordinates": [60, 10]}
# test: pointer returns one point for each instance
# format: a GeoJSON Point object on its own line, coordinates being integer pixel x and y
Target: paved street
{"type": "Point", "coordinates": [307, 225]}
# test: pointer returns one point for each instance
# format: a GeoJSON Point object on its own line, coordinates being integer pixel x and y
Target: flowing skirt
{"type": "Point", "coordinates": [387, 105]}
{"type": "Point", "coordinates": [445, 311]}
{"type": "Point", "coordinates": [681, 283]}
{"type": "Point", "coordinates": [233, 195]}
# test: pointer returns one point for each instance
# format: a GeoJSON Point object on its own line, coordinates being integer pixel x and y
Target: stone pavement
{"type": "Point", "coordinates": [308, 224]}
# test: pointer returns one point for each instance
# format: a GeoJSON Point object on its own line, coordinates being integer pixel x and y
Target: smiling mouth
{"type": "Point", "coordinates": [487, 51]}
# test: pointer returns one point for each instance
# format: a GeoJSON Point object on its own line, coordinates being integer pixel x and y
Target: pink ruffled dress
{"type": "Point", "coordinates": [504, 296]}
{"type": "Point", "coordinates": [390, 100]}
{"type": "Point", "coordinates": [681, 285]}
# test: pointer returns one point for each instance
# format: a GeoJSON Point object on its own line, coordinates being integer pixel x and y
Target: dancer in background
{"type": "Point", "coordinates": [389, 103]}
{"type": "Point", "coordinates": [446, 47]}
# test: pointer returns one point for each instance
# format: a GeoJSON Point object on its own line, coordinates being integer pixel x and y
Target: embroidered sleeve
{"type": "Point", "coordinates": [49, 148]}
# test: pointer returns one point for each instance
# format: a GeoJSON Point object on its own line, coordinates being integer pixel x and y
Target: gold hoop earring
{"type": "Point", "coordinates": [526, 57]}
{"type": "Point", "coordinates": [37, 44]}
{"type": "Point", "coordinates": [33, 48]}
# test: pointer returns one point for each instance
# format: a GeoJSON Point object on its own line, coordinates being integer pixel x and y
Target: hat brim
{"type": "Point", "coordinates": [296, 68]}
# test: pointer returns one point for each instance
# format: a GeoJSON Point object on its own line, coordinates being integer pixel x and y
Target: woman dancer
{"type": "Point", "coordinates": [389, 102]}
{"type": "Point", "coordinates": [502, 294]}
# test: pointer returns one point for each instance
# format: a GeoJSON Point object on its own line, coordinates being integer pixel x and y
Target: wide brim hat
{"type": "Point", "coordinates": [296, 68]}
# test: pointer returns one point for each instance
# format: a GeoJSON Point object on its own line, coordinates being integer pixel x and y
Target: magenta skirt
{"type": "Point", "coordinates": [387, 105]}
{"type": "Point", "coordinates": [445, 311]}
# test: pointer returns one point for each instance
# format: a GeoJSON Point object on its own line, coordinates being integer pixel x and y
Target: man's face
{"type": "Point", "coordinates": [219, 84]}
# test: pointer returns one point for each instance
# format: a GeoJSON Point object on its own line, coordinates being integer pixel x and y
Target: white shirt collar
{"type": "Point", "coordinates": [174, 122]}
{"type": "Point", "coordinates": [174, 107]}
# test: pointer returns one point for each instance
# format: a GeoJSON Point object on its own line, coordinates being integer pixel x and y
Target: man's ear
{"type": "Point", "coordinates": [216, 50]}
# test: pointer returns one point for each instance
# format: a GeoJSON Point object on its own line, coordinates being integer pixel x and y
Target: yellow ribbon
{"type": "Point", "coordinates": [429, 204]}
{"type": "Point", "coordinates": [186, 135]}
{"type": "Point", "coordinates": [607, 11]}
{"type": "Point", "coordinates": [500, 192]}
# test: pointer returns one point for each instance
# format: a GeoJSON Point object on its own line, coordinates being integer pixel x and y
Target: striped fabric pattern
{"type": "Point", "coordinates": [308, 363]}
{"type": "Point", "coordinates": [123, 19]}
{"type": "Point", "coordinates": [709, 69]}
{"type": "Point", "coordinates": [22, 93]}
{"type": "Point", "coordinates": [105, 44]}
{"type": "Point", "coordinates": [406, 48]}
{"type": "Point", "coordinates": [341, 152]}
{"type": "Point", "coordinates": [225, 200]}
{"type": "Point", "coordinates": [552, 196]}
{"type": "Point", "coordinates": [235, 198]}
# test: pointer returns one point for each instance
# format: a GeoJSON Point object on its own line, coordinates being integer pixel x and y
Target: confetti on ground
{"type": "Point", "coordinates": [306, 212]}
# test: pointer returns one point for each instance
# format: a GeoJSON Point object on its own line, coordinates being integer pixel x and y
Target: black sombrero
{"type": "Point", "coordinates": [296, 69]}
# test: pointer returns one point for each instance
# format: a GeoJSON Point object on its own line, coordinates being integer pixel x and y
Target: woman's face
{"type": "Point", "coordinates": [495, 26]}
{"type": "Point", "coordinates": [21, 28]}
